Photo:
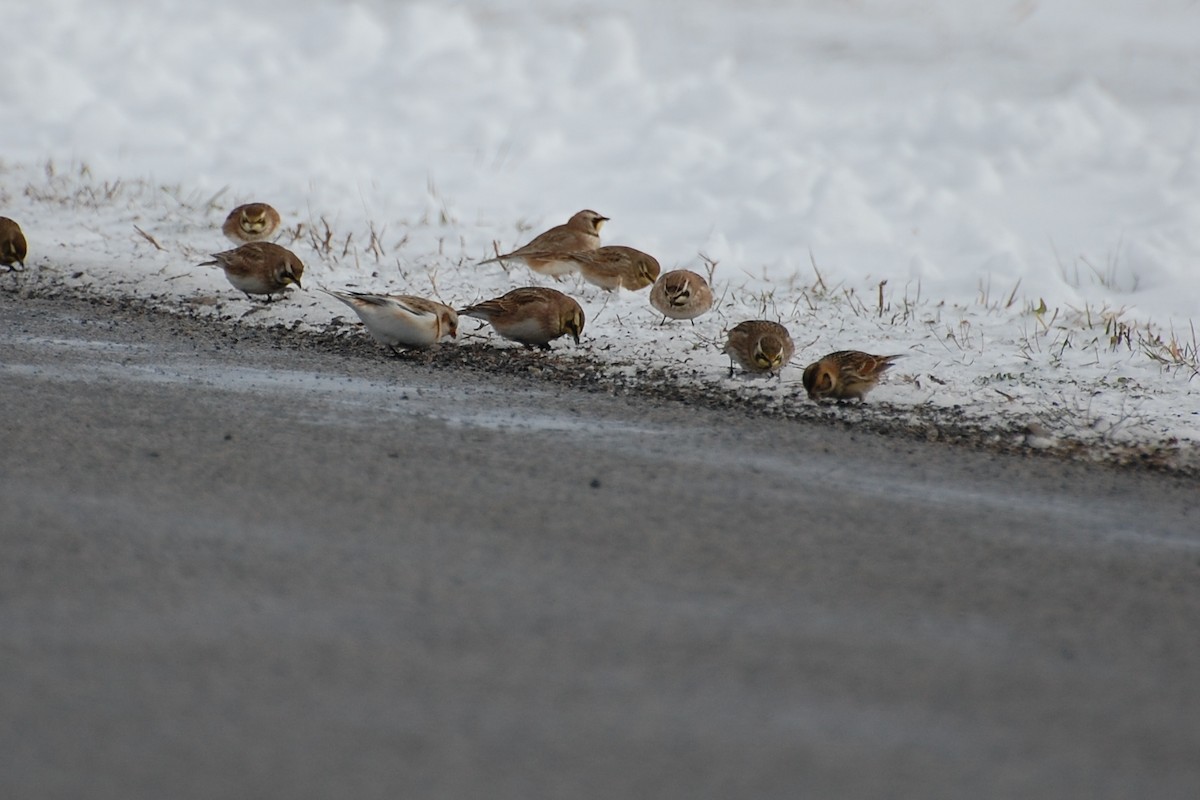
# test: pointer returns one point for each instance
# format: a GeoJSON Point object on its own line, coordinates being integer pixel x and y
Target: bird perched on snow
{"type": "Point", "coordinates": [681, 294]}
{"type": "Point", "coordinates": [845, 374]}
{"type": "Point", "coordinates": [13, 247]}
{"type": "Point", "coordinates": [259, 268]}
{"type": "Point", "coordinates": [253, 222]}
{"type": "Point", "coordinates": [531, 315]}
{"type": "Point", "coordinates": [759, 346]}
{"type": "Point", "coordinates": [401, 320]}
{"type": "Point", "coordinates": [614, 267]}
{"type": "Point", "coordinates": [544, 253]}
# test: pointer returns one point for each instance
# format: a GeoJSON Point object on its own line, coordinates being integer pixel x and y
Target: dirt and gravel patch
{"type": "Point", "coordinates": [232, 320]}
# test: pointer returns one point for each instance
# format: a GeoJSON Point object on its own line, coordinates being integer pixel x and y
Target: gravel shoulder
{"type": "Point", "coordinates": [569, 369]}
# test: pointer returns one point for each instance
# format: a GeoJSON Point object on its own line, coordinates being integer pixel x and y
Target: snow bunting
{"type": "Point", "coordinates": [259, 268]}
{"type": "Point", "coordinates": [401, 320]}
{"type": "Point", "coordinates": [544, 252]}
{"type": "Point", "coordinates": [531, 315]}
{"type": "Point", "coordinates": [12, 244]}
{"type": "Point", "coordinates": [253, 222]}
{"type": "Point", "coordinates": [759, 346]}
{"type": "Point", "coordinates": [681, 294]}
{"type": "Point", "coordinates": [615, 266]}
{"type": "Point", "coordinates": [844, 375]}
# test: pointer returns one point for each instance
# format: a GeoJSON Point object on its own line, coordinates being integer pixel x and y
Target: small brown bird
{"type": "Point", "coordinates": [845, 374]}
{"type": "Point", "coordinates": [544, 253]}
{"type": "Point", "coordinates": [402, 320]}
{"type": "Point", "coordinates": [13, 247]}
{"type": "Point", "coordinates": [253, 222]}
{"type": "Point", "coordinates": [681, 294]}
{"type": "Point", "coordinates": [531, 315]}
{"type": "Point", "coordinates": [614, 266]}
{"type": "Point", "coordinates": [259, 268]}
{"type": "Point", "coordinates": [759, 346]}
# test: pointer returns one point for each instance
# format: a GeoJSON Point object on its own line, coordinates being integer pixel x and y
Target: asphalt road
{"type": "Point", "coordinates": [230, 567]}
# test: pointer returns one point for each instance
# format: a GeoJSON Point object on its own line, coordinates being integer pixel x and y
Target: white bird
{"type": "Point", "coordinates": [402, 320]}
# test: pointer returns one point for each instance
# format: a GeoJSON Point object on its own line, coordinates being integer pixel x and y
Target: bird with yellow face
{"type": "Point", "coordinates": [252, 222]}
{"type": "Point", "coordinates": [615, 267]}
{"type": "Point", "coordinates": [759, 347]}
{"type": "Point", "coordinates": [259, 268]}
{"type": "Point", "coordinates": [532, 315]}
{"type": "Point", "coordinates": [546, 253]}
{"type": "Point", "coordinates": [845, 375]}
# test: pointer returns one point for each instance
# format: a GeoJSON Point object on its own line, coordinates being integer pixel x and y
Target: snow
{"type": "Point", "coordinates": [1024, 175]}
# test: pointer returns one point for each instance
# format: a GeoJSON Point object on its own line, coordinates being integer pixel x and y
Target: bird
{"type": "Point", "coordinates": [401, 320]}
{"type": "Point", "coordinates": [681, 294]}
{"type": "Point", "coordinates": [252, 222]}
{"type": "Point", "coordinates": [845, 374]}
{"type": "Point", "coordinates": [615, 266]}
{"type": "Point", "coordinates": [259, 268]}
{"type": "Point", "coordinates": [531, 315]}
{"type": "Point", "coordinates": [13, 246]}
{"type": "Point", "coordinates": [544, 253]}
{"type": "Point", "coordinates": [759, 346]}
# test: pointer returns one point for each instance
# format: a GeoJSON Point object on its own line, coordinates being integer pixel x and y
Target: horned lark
{"type": "Point", "coordinates": [544, 253]}
{"type": "Point", "coordinates": [259, 268]}
{"type": "Point", "coordinates": [759, 346]}
{"type": "Point", "coordinates": [12, 244]}
{"type": "Point", "coordinates": [681, 294]}
{"type": "Point", "coordinates": [845, 374]}
{"type": "Point", "coordinates": [531, 315]}
{"type": "Point", "coordinates": [615, 266]}
{"type": "Point", "coordinates": [401, 320]}
{"type": "Point", "coordinates": [253, 222]}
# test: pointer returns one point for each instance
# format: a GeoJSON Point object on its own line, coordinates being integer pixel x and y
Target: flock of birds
{"type": "Point", "coordinates": [534, 316]}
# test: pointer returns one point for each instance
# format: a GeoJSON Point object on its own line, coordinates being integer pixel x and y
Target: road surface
{"type": "Point", "coordinates": [233, 567]}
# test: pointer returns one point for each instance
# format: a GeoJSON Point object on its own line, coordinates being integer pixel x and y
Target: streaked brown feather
{"type": "Point", "coordinates": [845, 374]}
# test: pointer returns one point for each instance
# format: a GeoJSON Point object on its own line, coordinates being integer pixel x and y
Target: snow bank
{"type": "Point", "coordinates": [988, 161]}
